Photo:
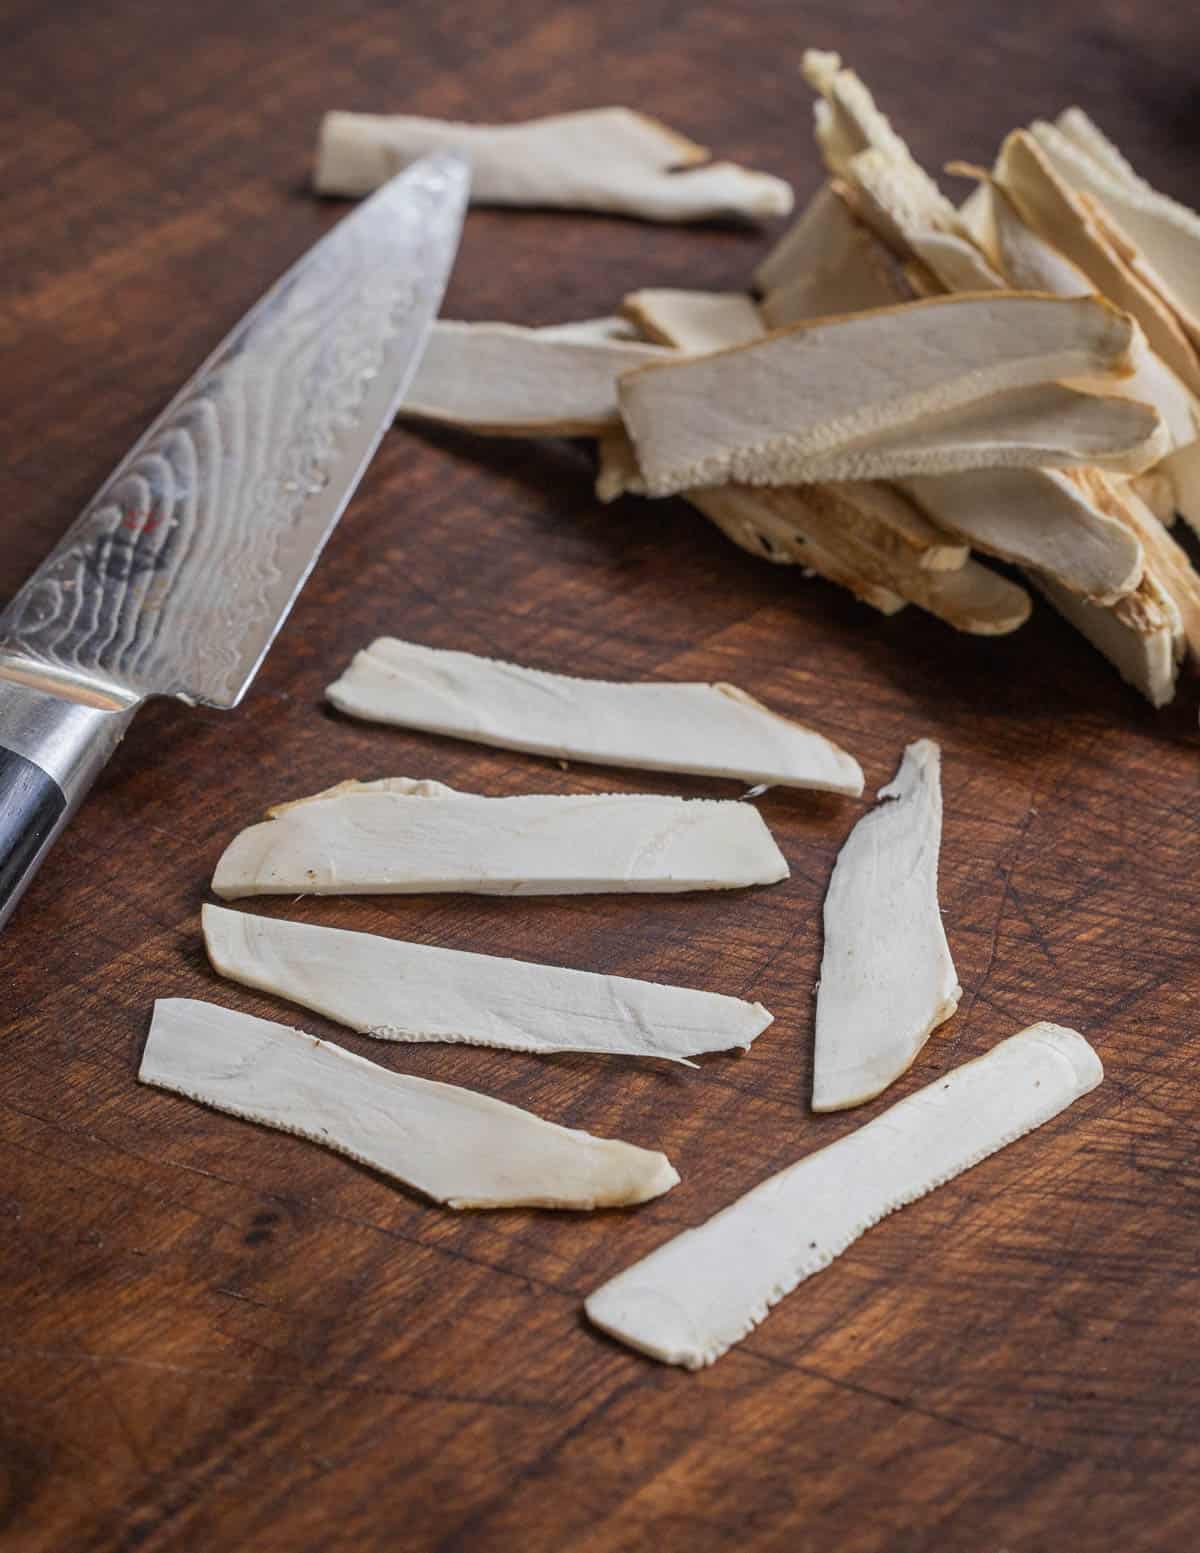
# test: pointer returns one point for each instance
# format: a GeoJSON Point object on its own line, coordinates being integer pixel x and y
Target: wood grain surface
{"type": "Point", "coordinates": [220, 1338]}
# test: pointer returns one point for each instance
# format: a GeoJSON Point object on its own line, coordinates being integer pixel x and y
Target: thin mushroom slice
{"type": "Point", "coordinates": [501, 378]}
{"type": "Point", "coordinates": [691, 1300]}
{"type": "Point", "coordinates": [761, 412]}
{"type": "Point", "coordinates": [401, 836]}
{"type": "Point", "coordinates": [1049, 426]}
{"type": "Point", "coordinates": [887, 979]}
{"type": "Point", "coordinates": [1087, 137]}
{"type": "Point", "coordinates": [606, 159]}
{"type": "Point", "coordinates": [1182, 468]}
{"type": "Point", "coordinates": [1141, 635]}
{"type": "Point", "coordinates": [693, 321]}
{"type": "Point", "coordinates": [397, 991]}
{"type": "Point", "coordinates": [707, 730]}
{"type": "Point", "coordinates": [617, 470]}
{"type": "Point", "coordinates": [814, 527]}
{"type": "Point", "coordinates": [1039, 518]}
{"type": "Point", "coordinates": [1066, 220]}
{"type": "Point", "coordinates": [1161, 234]}
{"type": "Point", "coordinates": [1157, 490]}
{"type": "Point", "coordinates": [459, 1147]}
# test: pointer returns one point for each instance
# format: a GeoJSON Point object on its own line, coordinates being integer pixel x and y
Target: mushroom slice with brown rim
{"type": "Point", "coordinates": [1141, 635]}
{"type": "Point", "coordinates": [397, 991]}
{"type": "Point", "coordinates": [401, 836]}
{"type": "Point", "coordinates": [606, 159]}
{"type": "Point", "coordinates": [697, 1295]}
{"type": "Point", "coordinates": [815, 527]}
{"type": "Point", "coordinates": [501, 378]}
{"type": "Point", "coordinates": [887, 979]}
{"type": "Point", "coordinates": [459, 1147]}
{"type": "Point", "coordinates": [705, 730]}
{"type": "Point", "coordinates": [763, 411]}
{"type": "Point", "coordinates": [693, 321]}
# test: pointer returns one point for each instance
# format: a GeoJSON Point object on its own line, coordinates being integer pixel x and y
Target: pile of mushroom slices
{"type": "Point", "coordinates": [912, 386]}
{"type": "Point", "coordinates": [887, 979]}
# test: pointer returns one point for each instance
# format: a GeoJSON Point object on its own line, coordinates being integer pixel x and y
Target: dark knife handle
{"type": "Point", "coordinates": [51, 749]}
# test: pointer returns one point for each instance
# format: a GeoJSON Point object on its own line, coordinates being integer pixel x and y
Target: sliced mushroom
{"type": "Point", "coordinates": [887, 979]}
{"type": "Point", "coordinates": [399, 991]}
{"type": "Point", "coordinates": [1019, 253]}
{"type": "Point", "coordinates": [1089, 138]}
{"type": "Point", "coordinates": [1069, 223]}
{"type": "Point", "coordinates": [707, 730]}
{"type": "Point", "coordinates": [816, 527]}
{"type": "Point", "coordinates": [1182, 468]}
{"type": "Point", "coordinates": [617, 470]}
{"type": "Point", "coordinates": [455, 1145]}
{"type": "Point", "coordinates": [1141, 635]}
{"type": "Point", "coordinates": [1162, 235]}
{"type": "Point", "coordinates": [401, 836]}
{"type": "Point", "coordinates": [608, 159]}
{"type": "Point", "coordinates": [693, 321]}
{"type": "Point", "coordinates": [696, 1296]}
{"type": "Point", "coordinates": [503, 379]}
{"type": "Point", "coordinates": [829, 263]}
{"type": "Point", "coordinates": [1157, 490]}
{"type": "Point", "coordinates": [1039, 518]}
{"type": "Point", "coordinates": [761, 412]}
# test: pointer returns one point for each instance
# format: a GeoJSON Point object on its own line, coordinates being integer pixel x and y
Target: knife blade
{"type": "Point", "coordinates": [178, 574]}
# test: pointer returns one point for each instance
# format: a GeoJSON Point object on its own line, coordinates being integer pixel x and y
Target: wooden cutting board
{"type": "Point", "coordinates": [219, 1338]}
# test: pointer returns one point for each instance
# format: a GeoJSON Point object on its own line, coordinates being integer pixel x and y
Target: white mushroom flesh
{"type": "Point", "coordinates": [399, 991]}
{"type": "Point", "coordinates": [707, 730]}
{"type": "Point", "coordinates": [887, 979]}
{"type": "Point", "coordinates": [696, 1296]}
{"type": "Point", "coordinates": [401, 836]}
{"type": "Point", "coordinates": [455, 1145]}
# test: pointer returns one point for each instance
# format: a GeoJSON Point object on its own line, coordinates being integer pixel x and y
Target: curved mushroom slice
{"type": "Point", "coordinates": [1067, 221]}
{"type": "Point", "coordinates": [887, 979]}
{"type": "Point", "coordinates": [401, 836]}
{"type": "Point", "coordinates": [399, 991]}
{"type": "Point", "coordinates": [693, 321]}
{"type": "Point", "coordinates": [1162, 234]}
{"type": "Point", "coordinates": [829, 263]}
{"type": "Point", "coordinates": [608, 159]}
{"type": "Point", "coordinates": [696, 1296]}
{"type": "Point", "coordinates": [814, 527]}
{"type": "Point", "coordinates": [761, 412]}
{"type": "Point", "coordinates": [507, 380]}
{"type": "Point", "coordinates": [1048, 426]}
{"type": "Point", "coordinates": [1141, 635]}
{"type": "Point", "coordinates": [1039, 518]}
{"type": "Point", "coordinates": [455, 1145]}
{"type": "Point", "coordinates": [708, 730]}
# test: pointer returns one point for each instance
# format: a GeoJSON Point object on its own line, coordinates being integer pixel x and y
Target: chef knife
{"type": "Point", "coordinates": [176, 577]}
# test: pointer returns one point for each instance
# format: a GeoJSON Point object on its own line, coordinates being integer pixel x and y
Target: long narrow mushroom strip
{"type": "Point", "coordinates": [760, 412]}
{"type": "Point", "coordinates": [691, 1300]}
{"type": "Point", "coordinates": [705, 730]}
{"type": "Point", "coordinates": [505, 379]}
{"type": "Point", "coordinates": [606, 159]}
{"type": "Point", "coordinates": [459, 1147]}
{"type": "Point", "coordinates": [400, 836]}
{"type": "Point", "coordinates": [399, 991]}
{"type": "Point", "coordinates": [887, 979]}
{"type": "Point", "coordinates": [1141, 635]}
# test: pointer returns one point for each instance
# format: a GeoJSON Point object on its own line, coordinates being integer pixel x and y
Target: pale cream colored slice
{"type": "Point", "coordinates": [399, 991]}
{"type": "Point", "coordinates": [617, 469]}
{"type": "Point", "coordinates": [1090, 139]}
{"type": "Point", "coordinates": [1048, 426]}
{"type": "Point", "coordinates": [1165, 559]}
{"type": "Point", "coordinates": [1157, 490]}
{"type": "Point", "coordinates": [1064, 219]}
{"type": "Point", "coordinates": [814, 527]}
{"type": "Point", "coordinates": [705, 730]}
{"type": "Point", "coordinates": [1039, 518]}
{"type": "Point", "coordinates": [838, 266]}
{"type": "Point", "coordinates": [459, 1147]}
{"type": "Point", "coordinates": [400, 836]}
{"type": "Point", "coordinates": [591, 330]}
{"type": "Point", "coordinates": [693, 321]}
{"type": "Point", "coordinates": [696, 1296]}
{"type": "Point", "coordinates": [1162, 233]}
{"type": "Point", "coordinates": [887, 979]}
{"type": "Point", "coordinates": [761, 412]}
{"type": "Point", "coordinates": [1141, 635]}
{"type": "Point", "coordinates": [607, 159]}
{"type": "Point", "coordinates": [504, 379]}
